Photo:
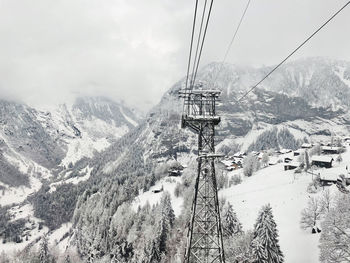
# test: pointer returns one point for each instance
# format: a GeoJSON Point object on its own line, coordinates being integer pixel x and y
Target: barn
{"type": "Point", "coordinates": [291, 165]}
{"type": "Point", "coordinates": [288, 160]}
{"type": "Point", "coordinates": [299, 152]}
{"type": "Point", "coordinates": [322, 161]}
{"type": "Point", "coordinates": [331, 150]}
{"type": "Point", "coordinates": [306, 146]}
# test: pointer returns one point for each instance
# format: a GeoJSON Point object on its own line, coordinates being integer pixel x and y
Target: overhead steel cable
{"type": "Point", "coordinates": [198, 42]}
{"type": "Point", "coordinates": [231, 43]}
{"type": "Point", "coordinates": [293, 52]}
{"type": "Point", "coordinates": [204, 35]}
{"type": "Point", "coordinates": [191, 45]}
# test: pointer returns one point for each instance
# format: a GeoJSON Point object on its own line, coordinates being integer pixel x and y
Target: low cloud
{"type": "Point", "coordinates": [134, 50]}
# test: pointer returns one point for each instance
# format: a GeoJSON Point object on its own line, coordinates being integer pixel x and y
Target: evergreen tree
{"type": "Point", "coordinates": [154, 253]}
{"type": "Point", "coordinates": [230, 223]}
{"type": "Point", "coordinates": [265, 159]}
{"type": "Point", "coordinates": [265, 247]}
{"type": "Point", "coordinates": [307, 160]}
{"type": "Point", "coordinates": [339, 158]}
{"type": "Point", "coordinates": [165, 218]}
{"type": "Point", "coordinates": [250, 165]}
{"type": "Point", "coordinates": [44, 255]}
{"type": "Point", "coordinates": [335, 238]}
{"type": "Point", "coordinates": [167, 210]}
{"type": "Point", "coordinates": [67, 259]}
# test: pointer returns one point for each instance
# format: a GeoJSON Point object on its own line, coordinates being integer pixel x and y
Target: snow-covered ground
{"type": "Point", "coordinates": [23, 211]}
{"type": "Point", "coordinates": [34, 171]}
{"type": "Point", "coordinates": [56, 237]}
{"type": "Point", "coordinates": [83, 147]}
{"type": "Point", "coordinates": [286, 193]}
{"type": "Point", "coordinates": [72, 180]}
{"type": "Point", "coordinates": [168, 184]}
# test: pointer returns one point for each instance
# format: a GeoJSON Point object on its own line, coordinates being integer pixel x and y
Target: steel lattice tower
{"type": "Point", "coordinates": [204, 240]}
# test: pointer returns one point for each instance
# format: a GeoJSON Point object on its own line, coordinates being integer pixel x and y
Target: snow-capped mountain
{"type": "Point", "coordinates": [284, 104]}
{"type": "Point", "coordinates": [37, 144]}
{"type": "Point", "coordinates": [285, 100]}
{"type": "Point", "coordinates": [310, 98]}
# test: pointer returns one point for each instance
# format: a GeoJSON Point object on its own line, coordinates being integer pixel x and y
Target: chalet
{"type": "Point", "coordinates": [239, 155]}
{"type": "Point", "coordinates": [298, 152]}
{"type": "Point", "coordinates": [306, 146]}
{"type": "Point", "coordinates": [291, 165]}
{"type": "Point", "coordinates": [283, 151]}
{"type": "Point", "coordinates": [322, 161]}
{"type": "Point", "coordinates": [273, 161]}
{"type": "Point", "coordinates": [174, 172]}
{"type": "Point", "coordinates": [331, 150]}
{"type": "Point", "coordinates": [346, 139]}
{"type": "Point", "coordinates": [327, 178]}
{"type": "Point", "coordinates": [288, 160]}
{"type": "Point", "coordinates": [158, 190]}
{"type": "Point", "coordinates": [231, 164]}
{"type": "Point", "coordinates": [345, 178]}
{"type": "Point", "coordinates": [232, 167]}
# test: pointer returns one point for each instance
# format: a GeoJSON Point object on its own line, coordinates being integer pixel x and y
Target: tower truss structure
{"type": "Point", "coordinates": [204, 239]}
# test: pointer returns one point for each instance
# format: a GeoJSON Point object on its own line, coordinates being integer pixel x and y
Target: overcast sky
{"type": "Point", "coordinates": [134, 50]}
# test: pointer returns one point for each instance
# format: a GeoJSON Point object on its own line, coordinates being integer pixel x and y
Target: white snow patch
{"type": "Point", "coordinates": [15, 195]}
{"type": "Point", "coordinates": [56, 236]}
{"type": "Point", "coordinates": [168, 184]}
{"type": "Point", "coordinates": [134, 123]}
{"type": "Point", "coordinates": [73, 180]}
{"type": "Point", "coordinates": [286, 192]}
{"type": "Point", "coordinates": [83, 147]}
{"type": "Point", "coordinates": [340, 74]}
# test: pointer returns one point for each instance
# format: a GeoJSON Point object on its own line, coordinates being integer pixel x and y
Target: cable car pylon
{"type": "Point", "coordinates": [204, 239]}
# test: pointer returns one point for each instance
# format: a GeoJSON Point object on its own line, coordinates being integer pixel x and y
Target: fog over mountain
{"type": "Point", "coordinates": [135, 50]}
{"type": "Point", "coordinates": [94, 164]}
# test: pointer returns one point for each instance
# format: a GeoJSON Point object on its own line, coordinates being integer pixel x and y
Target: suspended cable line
{"type": "Point", "coordinates": [203, 39]}
{"type": "Point", "coordinates": [191, 45]}
{"type": "Point", "coordinates": [293, 52]}
{"type": "Point", "coordinates": [231, 43]}
{"type": "Point", "coordinates": [198, 42]}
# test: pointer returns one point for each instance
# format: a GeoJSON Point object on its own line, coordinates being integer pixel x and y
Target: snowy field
{"type": "Point", "coordinates": [287, 196]}
{"type": "Point", "coordinates": [168, 184]}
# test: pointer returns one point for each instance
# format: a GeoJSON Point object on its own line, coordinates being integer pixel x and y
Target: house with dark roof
{"type": "Point", "coordinates": [331, 149]}
{"type": "Point", "coordinates": [322, 161]}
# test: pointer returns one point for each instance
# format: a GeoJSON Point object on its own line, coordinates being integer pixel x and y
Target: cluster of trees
{"type": "Point", "coordinates": [57, 207]}
{"type": "Point", "coordinates": [109, 229]}
{"type": "Point", "coordinates": [335, 237]}
{"type": "Point", "coordinates": [10, 175]}
{"type": "Point", "coordinates": [275, 139]}
{"type": "Point", "coordinates": [258, 246]}
{"type": "Point", "coordinates": [11, 231]}
{"type": "Point", "coordinates": [332, 214]}
{"type": "Point", "coordinates": [229, 149]}
{"type": "Point", "coordinates": [251, 164]}
{"type": "Point", "coordinates": [42, 254]}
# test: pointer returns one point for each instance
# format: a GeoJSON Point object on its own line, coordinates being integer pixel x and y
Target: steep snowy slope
{"type": "Point", "coordinates": [37, 144]}
{"type": "Point", "coordinates": [159, 138]}
{"type": "Point", "coordinates": [126, 166]}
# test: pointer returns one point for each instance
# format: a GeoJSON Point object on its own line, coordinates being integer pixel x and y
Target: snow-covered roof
{"type": "Point", "coordinates": [330, 175]}
{"type": "Point", "coordinates": [306, 145]}
{"type": "Point", "coordinates": [285, 150]}
{"type": "Point", "coordinates": [296, 164]}
{"type": "Point", "coordinates": [322, 158]}
{"type": "Point", "coordinates": [300, 151]}
{"type": "Point", "coordinates": [227, 162]}
{"type": "Point", "coordinates": [330, 148]}
{"type": "Point", "coordinates": [238, 154]}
